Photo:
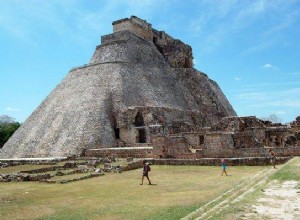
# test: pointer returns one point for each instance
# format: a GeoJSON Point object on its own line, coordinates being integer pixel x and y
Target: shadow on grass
{"type": "Point", "coordinates": [152, 184]}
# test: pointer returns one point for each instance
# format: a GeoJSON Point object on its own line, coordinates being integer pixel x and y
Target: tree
{"type": "Point", "coordinates": [6, 119]}
{"type": "Point", "coordinates": [8, 126]}
{"type": "Point", "coordinates": [272, 118]}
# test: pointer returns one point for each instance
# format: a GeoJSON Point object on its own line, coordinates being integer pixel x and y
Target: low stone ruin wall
{"type": "Point", "coordinates": [287, 151]}
{"type": "Point", "coordinates": [135, 152]}
{"type": "Point", "coordinates": [22, 161]}
{"type": "Point", "coordinates": [133, 165]}
{"type": "Point", "coordinates": [251, 152]}
{"type": "Point", "coordinates": [19, 177]}
{"type": "Point", "coordinates": [248, 161]}
{"type": "Point", "coordinates": [182, 152]}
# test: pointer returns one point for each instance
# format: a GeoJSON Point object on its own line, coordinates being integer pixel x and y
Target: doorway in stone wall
{"type": "Point", "coordinates": [139, 120]}
{"type": "Point", "coordinates": [141, 136]}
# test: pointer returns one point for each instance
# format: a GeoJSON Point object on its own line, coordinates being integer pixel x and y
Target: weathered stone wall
{"type": "Point", "coordinates": [249, 138]}
{"type": "Point", "coordinates": [128, 135]}
{"type": "Point", "coordinates": [212, 102]}
{"type": "Point", "coordinates": [193, 139]}
{"type": "Point", "coordinates": [174, 120]}
{"type": "Point", "coordinates": [237, 124]}
{"type": "Point", "coordinates": [251, 152]}
{"type": "Point", "coordinates": [177, 146]}
{"type": "Point", "coordinates": [136, 25]}
{"type": "Point", "coordinates": [295, 125]}
{"type": "Point", "coordinates": [292, 139]}
{"type": "Point", "coordinates": [246, 161]}
{"type": "Point", "coordinates": [176, 53]}
{"type": "Point", "coordinates": [146, 35]}
{"type": "Point", "coordinates": [117, 37]}
{"type": "Point", "coordinates": [136, 152]}
{"type": "Point", "coordinates": [218, 141]}
{"type": "Point", "coordinates": [133, 50]}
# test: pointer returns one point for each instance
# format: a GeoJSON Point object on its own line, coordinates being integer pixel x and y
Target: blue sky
{"type": "Point", "coordinates": [251, 48]}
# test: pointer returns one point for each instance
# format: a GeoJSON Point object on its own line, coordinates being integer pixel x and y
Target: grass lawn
{"type": "Point", "coordinates": [177, 191]}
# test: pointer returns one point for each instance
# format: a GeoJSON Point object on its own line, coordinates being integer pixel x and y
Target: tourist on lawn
{"type": "Point", "coordinates": [273, 158]}
{"type": "Point", "coordinates": [146, 170]}
{"type": "Point", "coordinates": [224, 167]}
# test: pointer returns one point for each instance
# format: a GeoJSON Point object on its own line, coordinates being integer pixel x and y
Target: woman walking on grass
{"type": "Point", "coordinates": [224, 167]}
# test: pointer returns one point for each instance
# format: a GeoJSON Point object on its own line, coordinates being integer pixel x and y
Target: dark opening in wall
{"type": "Point", "coordinates": [141, 138]}
{"type": "Point", "coordinates": [201, 139]}
{"type": "Point", "coordinates": [139, 121]}
{"type": "Point", "coordinates": [187, 63]}
{"type": "Point", "coordinates": [117, 133]}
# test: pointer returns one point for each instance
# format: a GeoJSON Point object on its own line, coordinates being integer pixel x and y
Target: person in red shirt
{"type": "Point", "coordinates": [146, 170]}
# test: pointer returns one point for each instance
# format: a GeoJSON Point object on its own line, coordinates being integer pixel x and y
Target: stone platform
{"type": "Point", "coordinates": [121, 152]}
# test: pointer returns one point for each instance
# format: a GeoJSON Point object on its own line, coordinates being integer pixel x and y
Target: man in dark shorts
{"type": "Point", "coordinates": [273, 158]}
{"type": "Point", "coordinates": [146, 169]}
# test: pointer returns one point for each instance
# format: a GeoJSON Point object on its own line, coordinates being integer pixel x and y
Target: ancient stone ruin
{"type": "Point", "coordinates": [141, 97]}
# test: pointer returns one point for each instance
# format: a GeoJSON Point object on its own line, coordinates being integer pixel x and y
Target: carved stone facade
{"type": "Point", "coordinates": [231, 137]}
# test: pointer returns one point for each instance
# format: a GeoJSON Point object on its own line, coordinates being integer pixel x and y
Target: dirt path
{"type": "Point", "coordinates": [279, 201]}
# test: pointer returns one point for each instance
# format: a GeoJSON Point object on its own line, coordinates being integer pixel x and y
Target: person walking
{"type": "Point", "coordinates": [224, 167]}
{"type": "Point", "coordinates": [146, 170]}
{"type": "Point", "coordinates": [273, 158]}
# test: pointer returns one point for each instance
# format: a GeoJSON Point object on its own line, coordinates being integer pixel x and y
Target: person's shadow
{"type": "Point", "coordinates": [152, 184]}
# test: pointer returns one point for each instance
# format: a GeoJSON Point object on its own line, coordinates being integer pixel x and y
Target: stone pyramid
{"type": "Point", "coordinates": [139, 79]}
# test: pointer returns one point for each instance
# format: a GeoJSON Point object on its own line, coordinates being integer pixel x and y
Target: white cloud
{"type": "Point", "coordinates": [280, 112]}
{"type": "Point", "coordinates": [237, 78]}
{"type": "Point", "coordinates": [274, 33]}
{"type": "Point", "coordinates": [231, 17]}
{"type": "Point", "coordinates": [10, 109]}
{"type": "Point", "coordinates": [267, 65]}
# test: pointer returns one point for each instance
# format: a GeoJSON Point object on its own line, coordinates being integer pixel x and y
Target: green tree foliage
{"type": "Point", "coordinates": [8, 126]}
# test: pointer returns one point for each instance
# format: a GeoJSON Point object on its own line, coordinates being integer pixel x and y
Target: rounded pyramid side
{"type": "Point", "coordinates": [73, 117]}
{"type": "Point", "coordinates": [79, 113]}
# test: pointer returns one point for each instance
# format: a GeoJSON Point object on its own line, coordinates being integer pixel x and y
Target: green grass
{"type": "Point", "coordinates": [290, 171]}
{"type": "Point", "coordinates": [69, 177]}
{"type": "Point", "coordinates": [178, 190]}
